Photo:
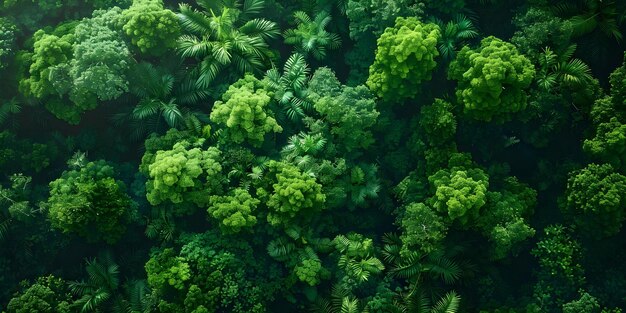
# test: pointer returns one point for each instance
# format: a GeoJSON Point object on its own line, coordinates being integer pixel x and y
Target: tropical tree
{"type": "Point", "coordinates": [290, 87]}
{"type": "Point", "coordinates": [589, 16]}
{"type": "Point", "coordinates": [405, 57]}
{"type": "Point", "coordinates": [310, 35]}
{"type": "Point", "coordinates": [101, 288]}
{"type": "Point", "coordinates": [561, 68]}
{"type": "Point", "coordinates": [454, 34]}
{"type": "Point", "coordinates": [415, 300]}
{"type": "Point", "coordinates": [491, 79]}
{"type": "Point", "coordinates": [164, 101]}
{"type": "Point", "coordinates": [224, 35]}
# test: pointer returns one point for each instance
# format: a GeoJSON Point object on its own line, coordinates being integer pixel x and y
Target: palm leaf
{"type": "Point", "coordinates": [301, 17]}
{"type": "Point", "coordinates": [146, 108]}
{"type": "Point", "coordinates": [5, 224]}
{"type": "Point", "coordinates": [260, 28]}
{"type": "Point", "coordinates": [349, 305]}
{"type": "Point", "coordinates": [448, 304]}
{"type": "Point", "coordinates": [172, 114]}
{"type": "Point", "coordinates": [408, 267]}
{"type": "Point", "coordinates": [192, 20]}
{"type": "Point", "coordinates": [447, 269]}
{"type": "Point", "coordinates": [252, 7]}
{"type": "Point", "coordinates": [194, 47]}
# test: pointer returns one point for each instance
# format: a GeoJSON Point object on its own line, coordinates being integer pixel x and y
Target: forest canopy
{"type": "Point", "coordinates": [327, 156]}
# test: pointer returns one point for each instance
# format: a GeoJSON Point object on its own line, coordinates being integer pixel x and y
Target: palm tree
{"type": "Point", "coordinates": [416, 301]}
{"type": "Point", "coordinates": [102, 291]}
{"type": "Point", "coordinates": [8, 109]}
{"type": "Point", "coordinates": [562, 69]}
{"type": "Point", "coordinates": [301, 145]}
{"type": "Point", "coordinates": [290, 87]}
{"type": "Point", "coordinates": [454, 34]}
{"type": "Point", "coordinates": [223, 35]}
{"type": "Point", "coordinates": [310, 35]}
{"type": "Point", "coordinates": [588, 16]}
{"type": "Point", "coordinates": [422, 269]}
{"type": "Point", "coordinates": [162, 97]}
{"type": "Point", "coordinates": [101, 288]}
{"type": "Point", "coordinates": [341, 301]}
{"type": "Point", "coordinates": [5, 224]}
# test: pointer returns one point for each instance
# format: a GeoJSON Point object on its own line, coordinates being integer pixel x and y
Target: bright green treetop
{"type": "Point", "coordinates": [460, 190]}
{"type": "Point", "coordinates": [234, 212]}
{"type": "Point", "coordinates": [184, 173]}
{"type": "Point", "coordinates": [596, 197]}
{"type": "Point", "coordinates": [49, 50]}
{"type": "Point", "coordinates": [150, 27]}
{"type": "Point", "coordinates": [292, 194]}
{"type": "Point", "coordinates": [166, 269]}
{"type": "Point", "coordinates": [245, 112]}
{"type": "Point", "coordinates": [491, 79]}
{"type": "Point", "coordinates": [90, 202]}
{"type": "Point", "coordinates": [405, 56]}
{"type": "Point", "coordinates": [308, 271]}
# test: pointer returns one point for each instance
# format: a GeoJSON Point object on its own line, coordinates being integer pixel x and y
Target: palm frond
{"type": "Point", "coordinates": [9, 108]}
{"type": "Point", "coordinates": [252, 7]}
{"type": "Point", "coordinates": [194, 47]}
{"type": "Point", "coordinates": [5, 224]}
{"type": "Point", "coordinates": [349, 305]}
{"type": "Point", "coordinates": [259, 27]}
{"type": "Point", "coordinates": [448, 304]}
{"type": "Point", "coordinates": [192, 20]}
{"type": "Point", "coordinates": [447, 269]}
{"type": "Point", "coordinates": [146, 108]}
{"type": "Point", "coordinates": [408, 267]}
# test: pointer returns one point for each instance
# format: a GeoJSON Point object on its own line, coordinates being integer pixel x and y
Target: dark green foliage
{"type": "Point", "coordinates": [289, 88]}
{"type": "Point", "coordinates": [350, 114]}
{"type": "Point", "coordinates": [310, 35]}
{"type": "Point", "coordinates": [422, 228]}
{"type": "Point", "coordinates": [539, 28]}
{"type": "Point", "coordinates": [8, 32]}
{"type": "Point", "coordinates": [48, 295]}
{"type": "Point", "coordinates": [337, 156]}
{"type": "Point", "coordinates": [89, 201]}
{"type": "Point", "coordinates": [224, 36]}
{"type": "Point", "coordinates": [596, 199]}
{"type": "Point", "coordinates": [24, 154]}
{"type": "Point", "coordinates": [454, 34]}
{"type": "Point", "coordinates": [560, 273]}
{"type": "Point", "coordinates": [163, 96]}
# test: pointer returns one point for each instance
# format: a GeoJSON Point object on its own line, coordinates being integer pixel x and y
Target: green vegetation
{"type": "Point", "coordinates": [327, 156]}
